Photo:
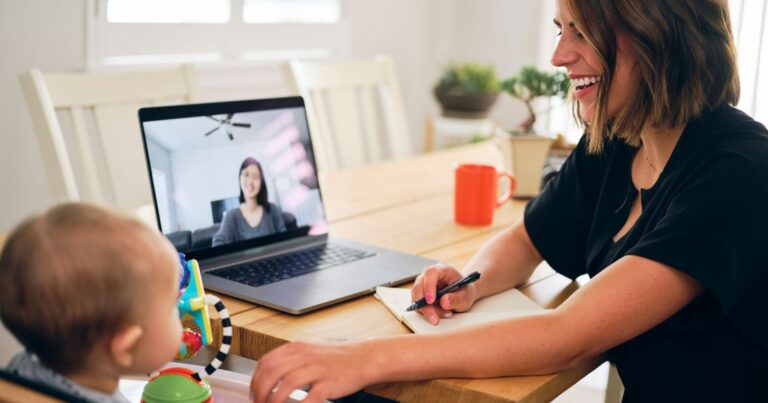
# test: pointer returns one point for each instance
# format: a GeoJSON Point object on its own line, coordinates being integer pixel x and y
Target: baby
{"type": "Point", "coordinates": [91, 294]}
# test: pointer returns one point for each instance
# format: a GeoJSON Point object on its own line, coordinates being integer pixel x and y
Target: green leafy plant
{"type": "Point", "coordinates": [531, 83]}
{"type": "Point", "coordinates": [468, 79]}
{"type": "Point", "coordinates": [478, 138]}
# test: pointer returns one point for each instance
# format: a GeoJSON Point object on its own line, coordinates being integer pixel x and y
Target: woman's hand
{"type": "Point", "coordinates": [330, 370]}
{"type": "Point", "coordinates": [434, 278]}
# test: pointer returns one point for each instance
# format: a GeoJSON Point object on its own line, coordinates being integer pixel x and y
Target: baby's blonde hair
{"type": "Point", "coordinates": [72, 277]}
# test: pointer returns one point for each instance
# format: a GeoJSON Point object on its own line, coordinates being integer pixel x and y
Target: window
{"type": "Point", "coordinates": [175, 31]}
{"type": "Point", "coordinates": [218, 11]}
{"type": "Point", "coordinates": [168, 11]}
{"type": "Point", "coordinates": [751, 34]}
{"type": "Point", "coordinates": [291, 11]}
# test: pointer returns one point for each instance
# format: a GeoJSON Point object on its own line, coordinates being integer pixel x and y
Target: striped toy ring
{"type": "Point", "coordinates": [226, 337]}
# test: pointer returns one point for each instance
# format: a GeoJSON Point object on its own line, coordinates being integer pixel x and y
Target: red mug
{"type": "Point", "coordinates": [475, 197]}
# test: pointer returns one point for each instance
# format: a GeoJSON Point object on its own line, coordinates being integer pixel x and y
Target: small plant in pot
{"type": "Point", "coordinates": [467, 90]}
{"type": "Point", "coordinates": [532, 83]}
{"type": "Point", "coordinates": [525, 152]}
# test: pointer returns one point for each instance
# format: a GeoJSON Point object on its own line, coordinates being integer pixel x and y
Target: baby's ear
{"type": "Point", "coordinates": [123, 343]}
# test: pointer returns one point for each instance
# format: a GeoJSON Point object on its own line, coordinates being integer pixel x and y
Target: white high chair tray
{"type": "Point", "coordinates": [227, 386]}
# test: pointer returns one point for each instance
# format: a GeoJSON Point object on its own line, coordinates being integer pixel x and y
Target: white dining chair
{"type": "Point", "coordinates": [355, 111]}
{"type": "Point", "coordinates": [88, 131]}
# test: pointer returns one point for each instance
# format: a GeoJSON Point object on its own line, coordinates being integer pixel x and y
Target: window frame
{"type": "Point", "coordinates": [117, 44]}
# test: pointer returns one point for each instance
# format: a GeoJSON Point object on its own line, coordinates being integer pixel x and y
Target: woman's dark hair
{"type": "Point", "coordinates": [262, 198]}
{"type": "Point", "coordinates": [686, 62]}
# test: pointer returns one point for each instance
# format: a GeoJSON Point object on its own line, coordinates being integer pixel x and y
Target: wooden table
{"type": "Point", "coordinates": [407, 205]}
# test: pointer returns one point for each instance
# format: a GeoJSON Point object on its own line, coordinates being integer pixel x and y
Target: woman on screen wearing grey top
{"type": "Point", "coordinates": [255, 216]}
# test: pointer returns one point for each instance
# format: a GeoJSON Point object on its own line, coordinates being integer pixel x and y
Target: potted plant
{"type": "Point", "coordinates": [532, 83]}
{"type": "Point", "coordinates": [525, 152]}
{"type": "Point", "coordinates": [467, 90]}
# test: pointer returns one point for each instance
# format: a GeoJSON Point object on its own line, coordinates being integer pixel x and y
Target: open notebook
{"type": "Point", "coordinates": [505, 305]}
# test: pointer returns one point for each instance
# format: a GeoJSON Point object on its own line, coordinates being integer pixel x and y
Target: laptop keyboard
{"type": "Point", "coordinates": [283, 267]}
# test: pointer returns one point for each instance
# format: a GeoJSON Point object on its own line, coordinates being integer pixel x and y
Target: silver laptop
{"type": "Point", "coordinates": [235, 186]}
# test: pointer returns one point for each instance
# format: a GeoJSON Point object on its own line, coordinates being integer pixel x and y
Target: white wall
{"type": "Point", "coordinates": [504, 33]}
{"type": "Point", "coordinates": [402, 29]}
{"type": "Point", "coordinates": [161, 161]}
{"type": "Point", "coordinates": [25, 43]}
{"type": "Point", "coordinates": [424, 35]}
{"type": "Point", "coordinates": [33, 33]}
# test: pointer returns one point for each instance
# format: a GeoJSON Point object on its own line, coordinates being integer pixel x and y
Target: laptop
{"type": "Point", "coordinates": [235, 186]}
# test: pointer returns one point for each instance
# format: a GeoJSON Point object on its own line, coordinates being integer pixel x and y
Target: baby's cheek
{"type": "Point", "coordinates": [172, 343]}
{"type": "Point", "coordinates": [178, 328]}
{"type": "Point", "coordinates": [173, 333]}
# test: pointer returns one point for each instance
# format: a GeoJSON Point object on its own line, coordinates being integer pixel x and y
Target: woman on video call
{"type": "Point", "coordinates": [255, 216]}
{"type": "Point", "coordinates": [664, 203]}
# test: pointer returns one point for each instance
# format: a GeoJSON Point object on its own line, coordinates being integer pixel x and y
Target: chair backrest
{"type": "Point", "coordinates": [99, 157]}
{"type": "Point", "coordinates": [354, 109]}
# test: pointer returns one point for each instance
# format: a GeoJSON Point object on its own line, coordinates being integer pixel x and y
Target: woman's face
{"type": "Point", "coordinates": [250, 181]}
{"type": "Point", "coordinates": [585, 70]}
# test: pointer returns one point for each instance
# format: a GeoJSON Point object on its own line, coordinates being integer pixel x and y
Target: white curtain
{"type": "Point", "coordinates": [749, 29]}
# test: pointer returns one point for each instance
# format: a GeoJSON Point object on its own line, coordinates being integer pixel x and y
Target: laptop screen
{"type": "Point", "coordinates": [233, 175]}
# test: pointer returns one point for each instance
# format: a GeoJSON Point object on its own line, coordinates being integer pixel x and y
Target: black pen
{"type": "Point", "coordinates": [471, 278]}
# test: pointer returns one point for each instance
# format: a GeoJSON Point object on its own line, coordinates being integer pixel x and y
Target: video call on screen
{"type": "Point", "coordinates": [195, 166]}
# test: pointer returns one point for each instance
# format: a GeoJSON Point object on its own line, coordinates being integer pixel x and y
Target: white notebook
{"type": "Point", "coordinates": [505, 305]}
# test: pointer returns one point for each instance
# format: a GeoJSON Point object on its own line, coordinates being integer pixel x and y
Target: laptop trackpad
{"type": "Point", "coordinates": [353, 278]}
{"type": "Point", "coordinates": [330, 285]}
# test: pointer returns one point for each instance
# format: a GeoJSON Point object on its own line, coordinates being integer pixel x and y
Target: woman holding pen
{"type": "Point", "coordinates": [664, 203]}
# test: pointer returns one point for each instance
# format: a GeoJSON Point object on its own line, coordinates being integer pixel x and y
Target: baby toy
{"type": "Point", "coordinates": [181, 384]}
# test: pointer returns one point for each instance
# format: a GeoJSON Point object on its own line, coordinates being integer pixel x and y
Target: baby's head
{"type": "Point", "coordinates": [83, 287]}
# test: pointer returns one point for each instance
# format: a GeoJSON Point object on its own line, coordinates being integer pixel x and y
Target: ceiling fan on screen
{"type": "Point", "coordinates": [227, 124]}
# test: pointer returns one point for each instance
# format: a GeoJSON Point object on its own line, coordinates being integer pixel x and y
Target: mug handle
{"type": "Point", "coordinates": [508, 194]}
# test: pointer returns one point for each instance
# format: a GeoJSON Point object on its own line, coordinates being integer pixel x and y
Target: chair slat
{"type": "Point", "coordinates": [96, 193]}
{"type": "Point", "coordinates": [345, 74]}
{"type": "Point", "coordinates": [352, 130]}
{"type": "Point", "coordinates": [346, 128]}
{"type": "Point", "coordinates": [400, 143]}
{"type": "Point", "coordinates": [69, 89]}
{"type": "Point", "coordinates": [119, 175]}
{"type": "Point", "coordinates": [123, 151]}
{"type": "Point", "coordinates": [322, 139]}
{"type": "Point", "coordinates": [50, 139]}
{"type": "Point", "coordinates": [371, 132]}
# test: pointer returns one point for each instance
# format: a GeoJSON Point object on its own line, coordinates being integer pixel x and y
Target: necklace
{"type": "Point", "coordinates": [645, 154]}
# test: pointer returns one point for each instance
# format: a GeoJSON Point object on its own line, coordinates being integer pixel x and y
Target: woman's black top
{"type": "Point", "coordinates": [707, 216]}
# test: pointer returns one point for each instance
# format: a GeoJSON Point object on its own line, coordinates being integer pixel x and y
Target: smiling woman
{"type": "Point", "coordinates": [647, 205]}
{"type": "Point", "coordinates": [255, 216]}
{"type": "Point", "coordinates": [627, 42]}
